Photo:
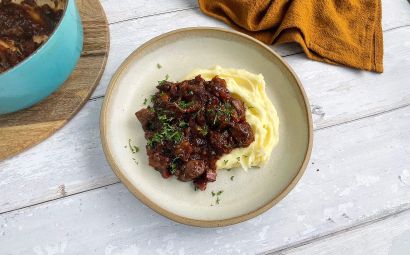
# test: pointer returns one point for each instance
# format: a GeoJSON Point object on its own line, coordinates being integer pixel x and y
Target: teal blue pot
{"type": "Point", "coordinates": [46, 69]}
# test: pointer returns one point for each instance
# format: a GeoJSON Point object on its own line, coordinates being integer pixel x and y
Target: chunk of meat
{"type": "Point", "coordinates": [242, 134]}
{"type": "Point", "coordinates": [221, 142]}
{"type": "Point", "coordinates": [210, 176]}
{"type": "Point", "coordinates": [191, 170]}
{"type": "Point", "coordinates": [200, 184]}
{"type": "Point", "coordinates": [217, 87]}
{"type": "Point", "coordinates": [190, 126]}
{"type": "Point", "coordinates": [183, 150]}
{"type": "Point", "coordinates": [145, 116]}
{"type": "Point", "coordinates": [239, 107]}
{"type": "Point", "coordinates": [160, 163]}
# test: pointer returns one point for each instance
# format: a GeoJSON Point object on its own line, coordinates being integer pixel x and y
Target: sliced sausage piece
{"type": "Point", "coordinates": [191, 170]}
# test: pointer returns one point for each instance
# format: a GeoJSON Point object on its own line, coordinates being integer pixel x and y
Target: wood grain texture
{"type": "Point", "coordinates": [389, 235]}
{"type": "Point", "coordinates": [125, 10]}
{"type": "Point", "coordinates": [364, 163]}
{"type": "Point", "coordinates": [75, 152]}
{"type": "Point", "coordinates": [21, 130]}
{"type": "Point", "coordinates": [344, 164]}
{"type": "Point", "coordinates": [137, 26]}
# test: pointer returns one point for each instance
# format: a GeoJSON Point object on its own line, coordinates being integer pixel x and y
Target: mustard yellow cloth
{"type": "Point", "coordinates": [346, 32]}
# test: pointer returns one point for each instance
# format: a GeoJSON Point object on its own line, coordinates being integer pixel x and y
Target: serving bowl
{"type": "Point", "coordinates": [44, 71]}
{"type": "Point", "coordinates": [246, 194]}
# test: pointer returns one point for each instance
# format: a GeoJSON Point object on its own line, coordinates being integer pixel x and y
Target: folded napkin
{"type": "Point", "coordinates": [346, 32]}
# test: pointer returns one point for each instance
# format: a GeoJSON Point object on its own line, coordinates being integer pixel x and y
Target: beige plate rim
{"type": "Point", "coordinates": [193, 222]}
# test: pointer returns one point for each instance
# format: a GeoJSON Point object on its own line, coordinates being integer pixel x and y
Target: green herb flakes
{"type": "Point", "coordinates": [183, 124]}
{"type": "Point", "coordinates": [134, 149]}
{"type": "Point", "coordinates": [184, 104]}
{"type": "Point", "coordinates": [159, 66]}
{"type": "Point", "coordinates": [232, 177]}
{"type": "Point", "coordinates": [174, 165]}
{"type": "Point", "coordinates": [164, 80]}
{"type": "Point", "coordinates": [217, 194]}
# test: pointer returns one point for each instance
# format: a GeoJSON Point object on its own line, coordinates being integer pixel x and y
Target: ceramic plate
{"type": "Point", "coordinates": [177, 53]}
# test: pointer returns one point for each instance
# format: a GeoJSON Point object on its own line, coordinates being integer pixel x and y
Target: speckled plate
{"type": "Point", "coordinates": [177, 53]}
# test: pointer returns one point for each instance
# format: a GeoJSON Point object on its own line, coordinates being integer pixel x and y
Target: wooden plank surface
{"type": "Point", "coordinates": [353, 166]}
{"type": "Point", "coordinates": [389, 235]}
{"type": "Point", "coordinates": [110, 220]}
{"type": "Point", "coordinates": [75, 158]}
{"type": "Point", "coordinates": [127, 36]}
{"type": "Point", "coordinates": [124, 10]}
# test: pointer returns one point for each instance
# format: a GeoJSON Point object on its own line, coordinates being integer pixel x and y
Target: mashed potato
{"type": "Point", "coordinates": [260, 114]}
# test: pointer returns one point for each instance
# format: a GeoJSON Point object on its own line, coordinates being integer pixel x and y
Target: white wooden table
{"type": "Point", "coordinates": [61, 197]}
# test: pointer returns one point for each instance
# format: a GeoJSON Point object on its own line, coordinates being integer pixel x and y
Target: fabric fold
{"type": "Point", "coordinates": [332, 31]}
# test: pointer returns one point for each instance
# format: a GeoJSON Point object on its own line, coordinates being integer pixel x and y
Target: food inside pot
{"type": "Point", "coordinates": [24, 27]}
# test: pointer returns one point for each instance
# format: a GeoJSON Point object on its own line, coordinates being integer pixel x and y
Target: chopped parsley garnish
{"type": "Point", "coordinates": [164, 118]}
{"type": "Point", "coordinates": [216, 118]}
{"type": "Point", "coordinates": [203, 130]}
{"type": "Point", "coordinates": [225, 161]}
{"type": "Point", "coordinates": [173, 165]}
{"type": "Point", "coordinates": [145, 101]}
{"type": "Point", "coordinates": [228, 109]}
{"type": "Point", "coordinates": [217, 194]}
{"type": "Point", "coordinates": [168, 132]}
{"type": "Point", "coordinates": [250, 107]}
{"type": "Point", "coordinates": [184, 104]}
{"type": "Point", "coordinates": [232, 177]}
{"type": "Point", "coordinates": [164, 80]}
{"type": "Point", "coordinates": [159, 66]}
{"type": "Point", "coordinates": [156, 138]}
{"type": "Point", "coordinates": [134, 149]}
{"type": "Point", "coordinates": [238, 159]}
{"type": "Point", "coordinates": [183, 124]}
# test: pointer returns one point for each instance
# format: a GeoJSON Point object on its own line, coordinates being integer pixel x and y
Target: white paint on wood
{"type": "Point", "coordinates": [129, 35]}
{"type": "Point", "coordinates": [388, 236]}
{"type": "Point", "coordinates": [395, 13]}
{"type": "Point", "coordinates": [363, 174]}
{"type": "Point", "coordinates": [119, 11]}
{"type": "Point", "coordinates": [366, 156]}
{"type": "Point", "coordinates": [73, 156]}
